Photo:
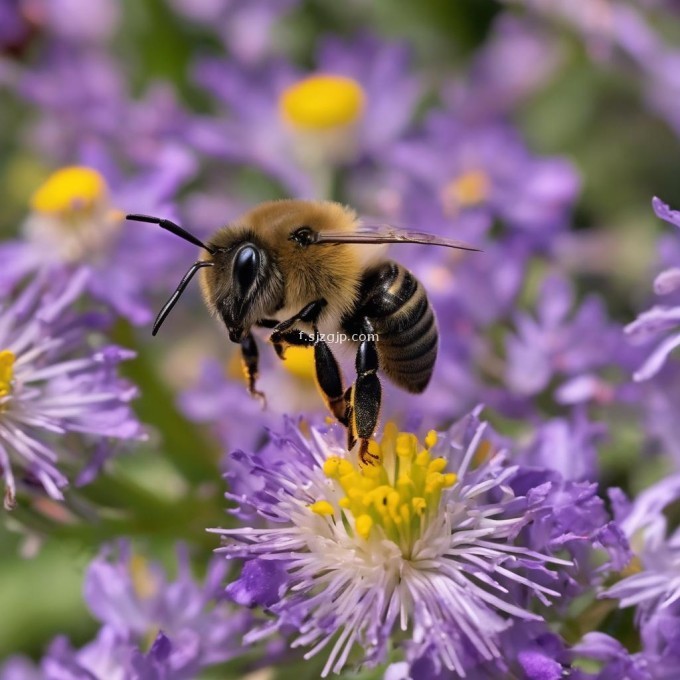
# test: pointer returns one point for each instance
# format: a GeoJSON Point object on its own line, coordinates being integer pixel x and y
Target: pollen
{"type": "Point", "coordinates": [71, 189]}
{"type": "Point", "coordinates": [394, 499]}
{"type": "Point", "coordinates": [143, 581]}
{"type": "Point", "coordinates": [466, 191]}
{"type": "Point", "coordinates": [322, 508]}
{"type": "Point", "coordinates": [7, 360]}
{"type": "Point", "coordinates": [322, 101]}
{"type": "Point", "coordinates": [299, 361]}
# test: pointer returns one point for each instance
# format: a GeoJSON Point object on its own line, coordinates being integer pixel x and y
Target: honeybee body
{"type": "Point", "coordinates": [304, 268]}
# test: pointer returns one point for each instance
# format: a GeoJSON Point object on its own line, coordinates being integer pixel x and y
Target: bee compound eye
{"type": "Point", "coordinates": [303, 236]}
{"type": "Point", "coordinates": [246, 265]}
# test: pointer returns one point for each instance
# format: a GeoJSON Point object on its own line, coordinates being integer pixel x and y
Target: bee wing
{"type": "Point", "coordinates": [387, 233]}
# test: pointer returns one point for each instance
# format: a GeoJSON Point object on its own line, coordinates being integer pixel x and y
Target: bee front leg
{"type": "Point", "coordinates": [365, 399]}
{"type": "Point", "coordinates": [249, 359]}
{"type": "Point", "coordinates": [282, 332]}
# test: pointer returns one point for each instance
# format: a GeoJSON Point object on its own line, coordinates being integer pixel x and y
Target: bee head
{"type": "Point", "coordinates": [243, 285]}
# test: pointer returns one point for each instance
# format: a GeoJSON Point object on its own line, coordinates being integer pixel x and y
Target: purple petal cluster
{"type": "Point", "coordinates": [660, 323]}
{"type": "Point", "coordinates": [54, 383]}
{"type": "Point", "coordinates": [453, 588]}
{"type": "Point", "coordinates": [153, 628]}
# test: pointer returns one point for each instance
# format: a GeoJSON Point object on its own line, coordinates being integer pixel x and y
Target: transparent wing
{"type": "Point", "coordinates": [387, 233]}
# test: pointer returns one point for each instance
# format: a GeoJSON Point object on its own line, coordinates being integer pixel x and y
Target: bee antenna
{"type": "Point", "coordinates": [167, 307]}
{"type": "Point", "coordinates": [172, 228]}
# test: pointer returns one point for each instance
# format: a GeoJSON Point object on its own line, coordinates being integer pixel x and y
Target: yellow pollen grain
{"type": "Point", "coordinates": [632, 568]}
{"type": "Point", "coordinates": [322, 101]}
{"type": "Point", "coordinates": [142, 578]}
{"type": "Point", "coordinates": [322, 508]}
{"type": "Point", "coordinates": [364, 525]}
{"type": "Point", "coordinates": [7, 360]}
{"type": "Point", "coordinates": [397, 496]}
{"type": "Point", "coordinates": [299, 361]}
{"type": "Point", "coordinates": [234, 367]}
{"type": "Point", "coordinates": [437, 465]}
{"type": "Point", "coordinates": [69, 189]}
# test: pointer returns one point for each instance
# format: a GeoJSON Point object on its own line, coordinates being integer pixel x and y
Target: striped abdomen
{"type": "Point", "coordinates": [396, 305]}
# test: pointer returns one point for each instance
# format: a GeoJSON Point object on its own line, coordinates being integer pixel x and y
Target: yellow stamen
{"type": "Point", "coordinates": [300, 362]}
{"type": "Point", "coordinates": [322, 101]}
{"type": "Point", "coordinates": [465, 191]}
{"type": "Point", "coordinates": [396, 497]}
{"type": "Point", "coordinates": [364, 525]}
{"type": "Point", "coordinates": [142, 578]}
{"type": "Point", "coordinates": [633, 567]}
{"type": "Point", "coordinates": [74, 188]}
{"type": "Point", "coordinates": [7, 359]}
{"type": "Point", "coordinates": [322, 508]}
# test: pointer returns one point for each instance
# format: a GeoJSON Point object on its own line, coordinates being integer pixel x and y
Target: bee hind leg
{"type": "Point", "coordinates": [365, 399]}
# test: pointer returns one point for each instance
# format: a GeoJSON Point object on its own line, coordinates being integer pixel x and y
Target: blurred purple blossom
{"type": "Point", "coordinates": [54, 383]}
{"type": "Point", "coordinates": [559, 343]}
{"type": "Point", "coordinates": [661, 323]}
{"type": "Point", "coordinates": [464, 176]}
{"type": "Point", "coordinates": [518, 58]}
{"type": "Point", "coordinates": [185, 624]}
{"type": "Point", "coordinates": [244, 26]}
{"type": "Point", "coordinates": [127, 261]}
{"type": "Point", "coordinates": [654, 584]}
{"type": "Point", "coordinates": [373, 100]}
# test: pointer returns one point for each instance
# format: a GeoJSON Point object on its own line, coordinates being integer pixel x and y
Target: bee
{"type": "Point", "coordinates": [307, 268]}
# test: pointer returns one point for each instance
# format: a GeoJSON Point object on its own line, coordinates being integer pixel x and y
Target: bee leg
{"type": "Point", "coordinates": [267, 323]}
{"type": "Point", "coordinates": [280, 333]}
{"type": "Point", "coordinates": [308, 314]}
{"type": "Point", "coordinates": [290, 337]}
{"type": "Point", "coordinates": [365, 399]}
{"type": "Point", "coordinates": [249, 359]}
{"type": "Point", "coordinates": [329, 380]}
{"type": "Point", "coordinates": [349, 417]}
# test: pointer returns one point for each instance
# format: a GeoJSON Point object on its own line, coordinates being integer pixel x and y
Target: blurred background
{"type": "Point", "coordinates": [179, 105]}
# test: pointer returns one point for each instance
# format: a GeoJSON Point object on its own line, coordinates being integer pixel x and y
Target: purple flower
{"type": "Point", "coordinates": [185, 625]}
{"type": "Point", "coordinates": [558, 341]}
{"type": "Point", "coordinates": [76, 219]}
{"type": "Point", "coordinates": [297, 127]}
{"type": "Point", "coordinates": [660, 323]}
{"type": "Point", "coordinates": [135, 599]}
{"type": "Point", "coordinates": [517, 59]}
{"type": "Point", "coordinates": [53, 383]}
{"type": "Point", "coordinates": [657, 61]}
{"type": "Point", "coordinates": [405, 544]}
{"type": "Point", "coordinates": [654, 581]}
{"type": "Point", "coordinates": [464, 175]}
{"type": "Point", "coordinates": [245, 27]}
{"type": "Point", "coordinates": [567, 445]}
{"type": "Point", "coordinates": [531, 651]}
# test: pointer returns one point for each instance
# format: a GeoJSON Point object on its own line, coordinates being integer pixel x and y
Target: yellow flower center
{"type": "Point", "coordinates": [300, 362]}
{"type": "Point", "coordinates": [143, 580]}
{"type": "Point", "coordinates": [395, 498]}
{"type": "Point", "coordinates": [7, 359]}
{"type": "Point", "coordinates": [71, 189]}
{"type": "Point", "coordinates": [322, 101]}
{"type": "Point", "coordinates": [465, 191]}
